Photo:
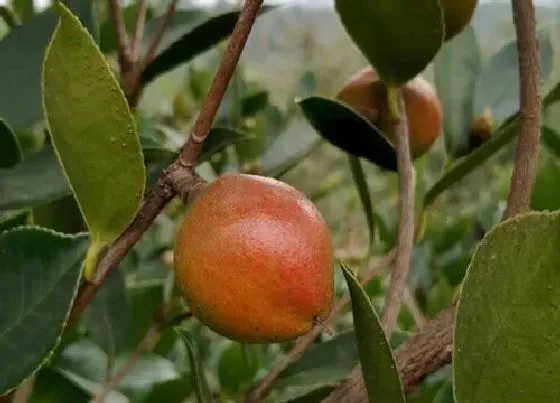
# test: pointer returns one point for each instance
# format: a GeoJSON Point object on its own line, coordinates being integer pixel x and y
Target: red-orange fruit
{"type": "Point", "coordinates": [254, 258]}
{"type": "Point", "coordinates": [367, 95]}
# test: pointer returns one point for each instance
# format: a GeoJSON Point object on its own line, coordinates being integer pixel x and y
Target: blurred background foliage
{"type": "Point", "coordinates": [294, 51]}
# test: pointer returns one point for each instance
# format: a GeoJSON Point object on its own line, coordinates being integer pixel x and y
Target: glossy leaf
{"type": "Point", "coordinates": [363, 191]}
{"type": "Point", "coordinates": [378, 365]}
{"type": "Point", "coordinates": [200, 39]}
{"type": "Point", "coordinates": [10, 151]}
{"type": "Point", "coordinates": [199, 380]}
{"type": "Point", "coordinates": [40, 273]}
{"type": "Point", "coordinates": [398, 37]}
{"type": "Point", "coordinates": [456, 68]}
{"type": "Point", "coordinates": [93, 132]}
{"type": "Point", "coordinates": [21, 53]}
{"type": "Point", "coordinates": [347, 130]}
{"type": "Point", "coordinates": [546, 190]}
{"type": "Point", "coordinates": [37, 180]}
{"type": "Point", "coordinates": [108, 318]}
{"type": "Point", "coordinates": [497, 86]}
{"type": "Point", "coordinates": [288, 149]}
{"type": "Point", "coordinates": [507, 317]}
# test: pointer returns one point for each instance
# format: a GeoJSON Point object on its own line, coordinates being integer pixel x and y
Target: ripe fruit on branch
{"type": "Point", "coordinates": [366, 93]}
{"type": "Point", "coordinates": [457, 15]}
{"type": "Point", "coordinates": [254, 259]}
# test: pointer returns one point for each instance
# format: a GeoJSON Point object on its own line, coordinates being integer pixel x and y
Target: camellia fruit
{"type": "Point", "coordinates": [366, 93]}
{"type": "Point", "coordinates": [457, 15]}
{"type": "Point", "coordinates": [254, 258]}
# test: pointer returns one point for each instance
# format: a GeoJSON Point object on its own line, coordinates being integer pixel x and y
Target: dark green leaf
{"type": "Point", "coordinates": [37, 180]}
{"type": "Point", "coordinates": [379, 370]}
{"type": "Point", "coordinates": [254, 103]}
{"type": "Point", "coordinates": [52, 387]}
{"type": "Point", "coordinates": [546, 190]}
{"type": "Point", "coordinates": [21, 52]}
{"type": "Point", "coordinates": [62, 215]}
{"type": "Point", "coordinates": [99, 151]}
{"type": "Point", "coordinates": [497, 87]}
{"type": "Point", "coordinates": [347, 130]}
{"type": "Point", "coordinates": [174, 391]}
{"type": "Point", "coordinates": [40, 273]}
{"type": "Point", "coordinates": [236, 367]}
{"type": "Point", "coordinates": [363, 191]}
{"type": "Point", "coordinates": [288, 149]}
{"type": "Point", "coordinates": [15, 220]}
{"type": "Point", "coordinates": [456, 69]}
{"type": "Point", "coordinates": [505, 345]}
{"type": "Point", "coordinates": [108, 318]}
{"type": "Point", "coordinates": [199, 380]}
{"type": "Point", "coordinates": [388, 33]}
{"type": "Point", "coordinates": [10, 151]}
{"type": "Point", "coordinates": [551, 139]}
{"type": "Point", "coordinates": [200, 39]}
{"type": "Point", "coordinates": [304, 394]}
{"type": "Point", "coordinates": [220, 138]}
{"type": "Point", "coordinates": [24, 8]}
{"type": "Point", "coordinates": [445, 394]}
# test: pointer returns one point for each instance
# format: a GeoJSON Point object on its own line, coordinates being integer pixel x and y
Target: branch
{"type": "Point", "coordinates": [527, 148]}
{"type": "Point", "coordinates": [405, 241]}
{"type": "Point", "coordinates": [261, 391]}
{"type": "Point", "coordinates": [116, 16]}
{"type": "Point", "coordinates": [138, 30]}
{"type": "Point", "coordinates": [179, 177]}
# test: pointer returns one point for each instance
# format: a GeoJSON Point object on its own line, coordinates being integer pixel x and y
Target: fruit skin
{"type": "Point", "coordinates": [457, 15]}
{"type": "Point", "coordinates": [367, 95]}
{"type": "Point", "coordinates": [254, 259]}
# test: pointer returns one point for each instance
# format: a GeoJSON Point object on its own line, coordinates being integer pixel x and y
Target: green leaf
{"type": "Point", "coordinates": [252, 104]}
{"type": "Point", "coordinates": [40, 273]}
{"type": "Point", "coordinates": [24, 8]}
{"type": "Point", "coordinates": [108, 318]}
{"type": "Point", "coordinates": [62, 215]}
{"type": "Point", "coordinates": [498, 83]}
{"type": "Point", "coordinates": [15, 220]}
{"type": "Point", "coordinates": [398, 37]}
{"type": "Point", "coordinates": [505, 348]}
{"type": "Point", "coordinates": [500, 138]}
{"type": "Point", "coordinates": [365, 197]}
{"type": "Point", "coordinates": [174, 391]}
{"type": "Point", "coordinates": [347, 130]}
{"type": "Point", "coordinates": [378, 365]}
{"type": "Point", "coordinates": [546, 191]}
{"type": "Point", "coordinates": [21, 52]}
{"type": "Point", "coordinates": [456, 68]}
{"type": "Point", "coordinates": [551, 139]}
{"type": "Point", "coordinates": [288, 149]}
{"type": "Point", "coordinates": [236, 367]}
{"type": "Point", "coordinates": [445, 393]}
{"type": "Point", "coordinates": [198, 40]}
{"type": "Point", "coordinates": [10, 151]}
{"type": "Point", "coordinates": [199, 380]}
{"type": "Point", "coordinates": [37, 180]}
{"type": "Point", "coordinates": [52, 387]}
{"type": "Point", "coordinates": [100, 150]}
{"type": "Point", "coordinates": [220, 138]}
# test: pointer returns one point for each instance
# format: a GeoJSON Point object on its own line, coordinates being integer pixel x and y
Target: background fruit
{"type": "Point", "coordinates": [367, 94]}
{"type": "Point", "coordinates": [254, 258]}
{"type": "Point", "coordinates": [457, 15]}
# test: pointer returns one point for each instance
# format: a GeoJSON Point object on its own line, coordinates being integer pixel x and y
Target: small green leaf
{"type": "Point", "coordinates": [174, 391]}
{"type": "Point", "coordinates": [40, 273]}
{"type": "Point", "coordinates": [236, 369]}
{"type": "Point", "coordinates": [21, 53]}
{"type": "Point", "coordinates": [254, 103]}
{"type": "Point", "coordinates": [546, 190]}
{"type": "Point", "coordinates": [37, 180]}
{"type": "Point", "coordinates": [456, 68]}
{"type": "Point", "coordinates": [93, 132]}
{"type": "Point", "coordinates": [497, 87]}
{"type": "Point", "coordinates": [363, 191]}
{"type": "Point", "coordinates": [500, 138]}
{"type": "Point", "coordinates": [108, 318]}
{"type": "Point", "coordinates": [505, 345]}
{"type": "Point", "coordinates": [378, 365]}
{"type": "Point", "coordinates": [344, 128]}
{"type": "Point", "coordinates": [10, 151]}
{"type": "Point", "coordinates": [398, 37]}
{"type": "Point", "coordinates": [198, 40]}
{"type": "Point", "coordinates": [199, 380]}
{"type": "Point", "coordinates": [15, 220]}
{"type": "Point", "coordinates": [288, 149]}
{"type": "Point", "coordinates": [50, 386]}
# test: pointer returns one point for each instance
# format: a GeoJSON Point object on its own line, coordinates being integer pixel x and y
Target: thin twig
{"type": "Point", "coordinates": [123, 47]}
{"type": "Point", "coordinates": [237, 41]}
{"type": "Point", "coordinates": [405, 241]}
{"type": "Point", "coordinates": [138, 30]}
{"type": "Point", "coordinates": [259, 393]}
{"type": "Point", "coordinates": [410, 302]}
{"type": "Point", "coordinates": [179, 177]}
{"type": "Point", "coordinates": [152, 49]}
{"type": "Point", "coordinates": [527, 149]}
